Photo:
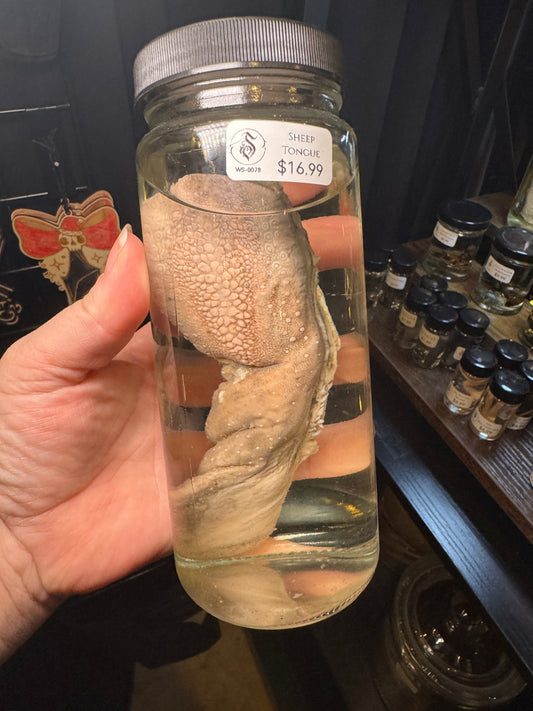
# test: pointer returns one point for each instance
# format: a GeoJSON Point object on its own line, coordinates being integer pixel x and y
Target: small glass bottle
{"type": "Point", "coordinates": [510, 354]}
{"type": "Point", "coordinates": [453, 299]}
{"type": "Point", "coordinates": [471, 377]}
{"type": "Point", "coordinates": [433, 335]}
{"type": "Point", "coordinates": [469, 330]}
{"type": "Point", "coordinates": [433, 282]}
{"type": "Point", "coordinates": [456, 238]}
{"type": "Point", "coordinates": [376, 261]}
{"type": "Point", "coordinates": [411, 315]}
{"type": "Point", "coordinates": [400, 270]}
{"type": "Point", "coordinates": [506, 391]}
{"type": "Point", "coordinates": [507, 275]}
{"type": "Point", "coordinates": [524, 414]}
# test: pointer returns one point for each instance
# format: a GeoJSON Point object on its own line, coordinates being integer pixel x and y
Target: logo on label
{"type": "Point", "coordinates": [247, 146]}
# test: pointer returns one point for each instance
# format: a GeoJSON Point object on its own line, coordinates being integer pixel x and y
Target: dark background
{"type": "Point", "coordinates": [440, 94]}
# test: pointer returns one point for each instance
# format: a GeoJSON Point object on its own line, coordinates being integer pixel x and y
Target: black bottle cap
{"type": "Point", "coordinates": [454, 299]}
{"type": "Point", "coordinates": [478, 361]}
{"type": "Point", "coordinates": [472, 322]}
{"type": "Point", "coordinates": [526, 369]}
{"type": "Point", "coordinates": [465, 215]}
{"type": "Point", "coordinates": [510, 386]}
{"type": "Point", "coordinates": [376, 259]}
{"type": "Point", "coordinates": [510, 354]}
{"type": "Point", "coordinates": [441, 317]}
{"type": "Point", "coordinates": [515, 242]}
{"type": "Point", "coordinates": [433, 282]}
{"type": "Point", "coordinates": [418, 299]}
{"type": "Point", "coordinates": [403, 261]}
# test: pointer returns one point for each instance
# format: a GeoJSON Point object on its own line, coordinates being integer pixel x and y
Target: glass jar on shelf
{"type": "Point", "coordinates": [507, 275]}
{"type": "Point", "coordinates": [433, 335]}
{"type": "Point", "coordinates": [468, 331]}
{"type": "Point", "coordinates": [471, 377]}
{"type": "Point", "coordinates": [411, 315]}
{"type": "Point", "coordinates": [524, 413]}
{"type": "Point", "coordinates": [506, 391]}
{"type": "Point", "coordinates": [398, 278]}
{"type": "Point", "coordinates": [456, 238]}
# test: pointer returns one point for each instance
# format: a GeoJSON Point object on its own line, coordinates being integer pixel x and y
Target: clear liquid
{"type": "Point", "coordinates": [321, 550]}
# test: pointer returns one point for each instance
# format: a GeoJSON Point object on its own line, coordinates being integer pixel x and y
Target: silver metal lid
{"type": "Point", "coordinates": [233, 42]}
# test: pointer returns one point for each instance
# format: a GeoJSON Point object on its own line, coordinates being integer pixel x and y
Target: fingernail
{"type": "Point", "coordinates": [123, 236]}
{"type": "Point", "coordinates": [117, 247]}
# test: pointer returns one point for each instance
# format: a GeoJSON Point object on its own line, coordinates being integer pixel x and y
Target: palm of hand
{"type": "Point", "coordinates": [97, 507]}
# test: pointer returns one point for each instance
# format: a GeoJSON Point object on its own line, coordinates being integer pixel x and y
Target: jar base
{"type": "Point", "coordinates": [278, 592]}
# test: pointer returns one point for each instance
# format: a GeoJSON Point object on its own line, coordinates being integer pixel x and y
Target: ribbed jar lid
{"type": "Point", "coordinates": [235, 42]}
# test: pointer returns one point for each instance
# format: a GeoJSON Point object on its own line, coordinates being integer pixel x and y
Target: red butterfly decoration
{"type": "Point", "coordinates": [72, 247]}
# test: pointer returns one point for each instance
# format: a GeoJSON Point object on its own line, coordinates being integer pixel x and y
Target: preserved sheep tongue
{"type": "Point", "coordinates": [243, 288]}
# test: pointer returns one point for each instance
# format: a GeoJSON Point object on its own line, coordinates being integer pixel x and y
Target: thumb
{"type": "Point", "coordinates": [88, 334]}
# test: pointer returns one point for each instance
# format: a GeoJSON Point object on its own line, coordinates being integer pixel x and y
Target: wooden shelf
{"type": "Point", "coordinates": [503, 467]}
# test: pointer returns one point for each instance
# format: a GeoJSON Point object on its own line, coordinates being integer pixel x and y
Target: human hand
{"type": "Point", "coordinates": [83, 498]}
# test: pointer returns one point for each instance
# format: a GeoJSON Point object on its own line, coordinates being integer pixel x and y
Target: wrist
{"type": "Point", "coordinates": [24, 602]}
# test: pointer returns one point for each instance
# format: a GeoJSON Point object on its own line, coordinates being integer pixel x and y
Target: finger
{"type": "Point", "coordinates": [343, 448]}
{"type": "Point", "coordinates": [89, 333]}
{"type": "Point", "coordinates": [352, 360]}
{"type": "Point", "coordinates": [336, 240]}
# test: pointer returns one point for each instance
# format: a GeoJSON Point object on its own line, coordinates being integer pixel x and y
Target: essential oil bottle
{"type": "Point", "coordinates": [411, 316]}
{"type": "Point", "coordinates": [468, 331]}
{"type": "Point", "coordinates": [507, 390]}
{"type": "Point", "coordinates": [471, 377]}
{"type": "Point", "coordinates": [433, 335]}
{"type": "Point", "coordinates": [376, 261]}
{"type": "Point", "coordinates": [398, 278]}
{"type": "Point", "coordinates": [524, 414]}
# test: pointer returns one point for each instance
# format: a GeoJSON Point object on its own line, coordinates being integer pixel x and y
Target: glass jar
{"type": "Point", "coordinates": [456, 238]}
{"type": "Point", "coordinates": [376, 261]}
{"type": "Point", "coordinates": [468, 331]}
{"type": "Point", "coordinates": [522, 417]}
{"type": "Point", "coordinates": [510, 354]}
{"type": "Point", "coordinates": [411, 315]}
{"type": "Point", "coordinates": [433, 335]}
{"type": "Point", "coordinates": [507, 275]}
{"type": "Point", "coordinates": [521, 211]}
{"type": "Point", "coordinates": [400, 270]}
{"type": "Point", "coordinates": [439, 649]}
{"type": "Point", "coordinates": [470, 379]}
{"type": "Point", "coordinates": [500, 401]}
{"type": "Point", "coordinates": [250, 213]}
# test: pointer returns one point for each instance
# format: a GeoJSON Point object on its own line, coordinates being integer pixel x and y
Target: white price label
{"type": "Point", "coordinates": [498, 271]}
{"type": "Point", "coordinates": [280, 151]}
{"type": "Point", "coordinates": [429, 339]}
{"type": "Point", "coordinates": [481, 424]}
{"type": "Point", "coordinates": [444, 235]}
{"type": "Point", "coordinates": [462, 400]}
{"type": "Point", "coordinates": [407, 318]}
{"type": "Point", "coordinates": [395, 281]}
